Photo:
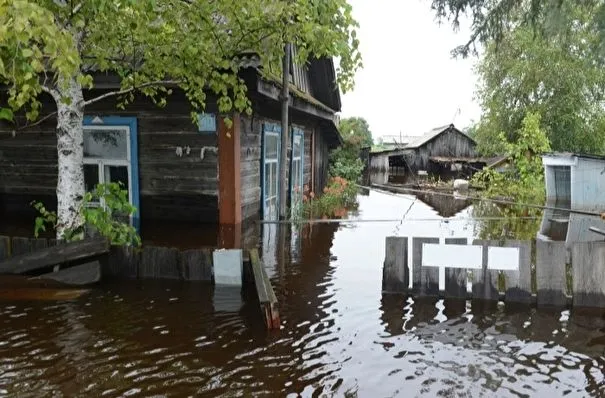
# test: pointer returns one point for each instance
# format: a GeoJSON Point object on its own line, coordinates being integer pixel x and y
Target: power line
{"type": "Point", "coordinates": [398, 220]}
{"type": "Point", "coordinates": [477, 198]}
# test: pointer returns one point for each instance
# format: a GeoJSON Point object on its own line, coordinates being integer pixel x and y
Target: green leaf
{"type": "Point", "coordinates": [6, 114]}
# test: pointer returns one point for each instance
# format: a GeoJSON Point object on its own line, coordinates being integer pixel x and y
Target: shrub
{"type": "Point", "coordinates": [337, 197]}
{"type": "Point", "coordinates": [110, 219]}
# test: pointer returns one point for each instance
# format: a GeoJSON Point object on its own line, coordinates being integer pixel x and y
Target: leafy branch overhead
{"type": "Point", "coordinates": [491, 21]}
{"type": "Point", "coordinates": [558, 77]}
{"type": "Point", "coordinates": [156, 45]}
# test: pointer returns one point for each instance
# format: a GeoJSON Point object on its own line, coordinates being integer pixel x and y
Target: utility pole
{"type": "Point", "coordinates": [283, 164]}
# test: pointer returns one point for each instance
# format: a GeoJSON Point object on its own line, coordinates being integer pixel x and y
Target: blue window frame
{"type": "Point", "coordinates": [271, 150]}
{"type": "Point", "coordinates": [111, 155]}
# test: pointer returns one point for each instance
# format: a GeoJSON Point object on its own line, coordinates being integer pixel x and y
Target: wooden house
{"type": "Point", "coordinates": [174, 170]}
{"type": "Point", "coordinates": [444, 151]}
{"type": "Point", "coordinates": [573, 182]}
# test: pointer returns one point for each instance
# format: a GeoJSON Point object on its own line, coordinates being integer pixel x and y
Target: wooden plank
{"type": "Point", "coordinates": [5, 242]}
{"type": "Point", "coordinates": [395, 272]}
{"type": "Point", "coordinates": [19, 246]}
{"type": "Point", "coordinates": [60, 254]}
{"type": "Point", "coordinates": [455, 278]}
{"type": "Point", "coordinates": [426, 279]}
{"type": "Point", "coordinates": [160, 263]}
{"type": "Point", "coordinates": [551, 278]}
{"type": "Point", "coordinates": [485, 281]}
{"type": "Point", "coordinates": [79, 275]}
{"type": "Point", "coordinates": [266, 295]}
{"type": "Point", "coordinates": [518, 283]}
{"type": "Point", "coordinates": [197, 265]}
{"type": "Point", "coordinates": [588, 262]}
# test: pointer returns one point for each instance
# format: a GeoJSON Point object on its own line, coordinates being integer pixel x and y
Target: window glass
{"type": "Point", "coordinates": [105, 143]}
{"type": "Point", "coordinates": [271, 144]}
{"type": "Point", "coordinates": [117, 174]}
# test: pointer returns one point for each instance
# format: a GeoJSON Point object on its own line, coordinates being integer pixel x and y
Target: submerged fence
{"type": "Point", "coordinates": [513, 270]}
{"type": "Point", "coordinates": [147, 262]}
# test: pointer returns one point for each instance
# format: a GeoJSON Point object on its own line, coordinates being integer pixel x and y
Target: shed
{"type": "Point", "coordinates": [446, 151]}
{"type": "Point", "coordinates": [443, 143]}
{"type": "Point", "coordinates": [174, 170]}
{"type": "Point", "coordinates": [575, 182]}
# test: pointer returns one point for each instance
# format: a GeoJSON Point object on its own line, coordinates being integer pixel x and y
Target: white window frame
{"type": "Point", "coordinates": [102, 162]}
{"type": "Point", "coordinates": [273, 183]}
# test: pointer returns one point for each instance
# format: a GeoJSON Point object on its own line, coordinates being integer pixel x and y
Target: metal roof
{"type": "Point", "coordinates": [573, 154]}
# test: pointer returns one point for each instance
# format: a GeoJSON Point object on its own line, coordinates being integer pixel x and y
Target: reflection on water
{"type": "Point", "coordinates": [339, 332]}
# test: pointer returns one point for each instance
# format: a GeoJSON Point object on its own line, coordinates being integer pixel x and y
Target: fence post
{"type": "Point", "coordinates": [395, 274]}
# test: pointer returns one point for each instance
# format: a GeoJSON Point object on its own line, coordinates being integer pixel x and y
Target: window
{"type": "Point", "coordinates": [110, 155]}
{"type": "Point", "coordinates": [296, 185]}
{"type": "Point", "coordinates": [271, 145]}
{"type": "Point", "coordinates": [271, 150]}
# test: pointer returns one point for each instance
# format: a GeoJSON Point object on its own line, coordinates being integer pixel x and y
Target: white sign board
{"type": "Point", "coordinates": [503, 258]}
{"type": "Point", "coordinates": [451, 256]}
{"type": "Point", "coordinates": [228, 267]}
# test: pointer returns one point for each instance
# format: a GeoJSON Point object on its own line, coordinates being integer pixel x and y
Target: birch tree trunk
{"type": "Point", "coordinates": [70, 150]}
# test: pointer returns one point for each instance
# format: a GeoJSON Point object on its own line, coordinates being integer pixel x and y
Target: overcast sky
{"type": "Point", "coordinates": [410, 82]}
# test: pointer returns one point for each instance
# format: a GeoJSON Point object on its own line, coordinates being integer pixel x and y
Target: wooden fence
{"type": "Point", "coordinates": [148, 262]}
{"type": "Point", "coordinates": [516, 271]}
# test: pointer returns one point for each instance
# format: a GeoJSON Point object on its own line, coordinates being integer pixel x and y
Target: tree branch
{"type": "Point", "coordinates": [54, 93]}
{"type": "Point", "coordinates": [39, 121]}
{"type": "Point", "coordinates": [131, 89]}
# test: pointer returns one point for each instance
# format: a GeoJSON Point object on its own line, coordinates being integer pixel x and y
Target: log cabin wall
{"type": "Point", "coordinates": [176, 185]}
{"type": "Point", "coordinates": [251, 155]}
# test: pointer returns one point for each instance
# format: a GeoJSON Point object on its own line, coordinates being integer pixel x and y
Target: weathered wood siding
{"type": "Point", "coordinates": [251, 163]}
{"type": "Point", "coordinates": [450, 144]}
{"type": "Point", "coordinates": [379, 162]}
{"type": "Point", "coordinates": [171, 186]}
{"type": "Point", "coordinates": [321, 163]}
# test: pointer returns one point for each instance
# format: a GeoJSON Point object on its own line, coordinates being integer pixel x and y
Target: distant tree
{"type": "Point", "coordinates": [491, 21]}
{"type": "Point", "coordinates": [152, 46]}
{"type": "Point", "coordinates": [359, 128]}
{"type": "Point", "coordinates": [554, 77]}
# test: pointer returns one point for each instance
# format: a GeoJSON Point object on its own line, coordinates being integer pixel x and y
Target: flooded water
{"type": "Point", "coordinates": [340, 334]}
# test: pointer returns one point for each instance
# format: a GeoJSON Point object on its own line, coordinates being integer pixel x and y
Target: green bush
{"type": "Point", "coordinates": [109, 219]}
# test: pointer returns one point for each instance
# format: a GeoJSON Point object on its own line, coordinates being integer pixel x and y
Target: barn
{"type": "Point", "coordinates": [445, 151]}
{"type": "Point", "coordinates": [197, 176]}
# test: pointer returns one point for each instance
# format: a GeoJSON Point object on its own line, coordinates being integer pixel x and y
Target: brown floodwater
{"type": "Point", "coordinates": [339, 332]}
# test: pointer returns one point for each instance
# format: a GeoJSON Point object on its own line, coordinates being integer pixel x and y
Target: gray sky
{"type": "Point", "coordinates": [410, 82]}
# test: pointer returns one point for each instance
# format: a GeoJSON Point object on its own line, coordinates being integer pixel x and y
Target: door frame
{"type": "Point", "coordinates": [133, 156]}
{"type": "Point", "coordinates": [272, 129]}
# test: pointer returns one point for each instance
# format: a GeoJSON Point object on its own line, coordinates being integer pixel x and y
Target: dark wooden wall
{"type": "Point", "coordinates": [251, 158]}
{"type": "Point", "coordinates": [321, 164]}
{"type": "Point", "coordinates": [449, 144]}
{"type": "Point", "coordinates": [171, 187]}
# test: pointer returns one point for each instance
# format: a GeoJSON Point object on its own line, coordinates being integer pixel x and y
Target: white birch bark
{"type": "Point", "coordinates": [70, 150]}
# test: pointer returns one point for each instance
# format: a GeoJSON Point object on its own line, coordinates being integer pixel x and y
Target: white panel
{"type": "Point", "coordinates": [503, 258]}
{"type": "Point", "coordinates": [228, 267]}
{"type": "Point", "coordinates": [451, 256]}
